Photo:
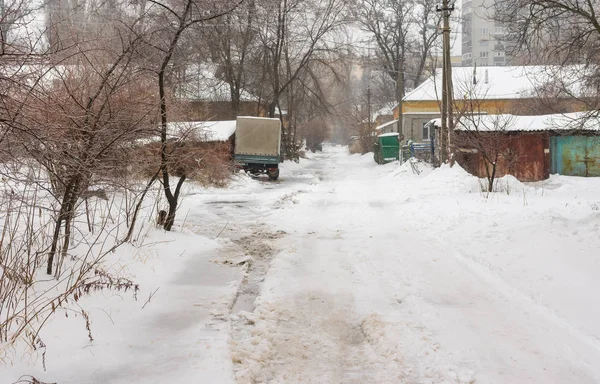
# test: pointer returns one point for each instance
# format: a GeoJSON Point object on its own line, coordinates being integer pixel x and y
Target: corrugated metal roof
{"type": "Point", "coordinates": [578, 121]}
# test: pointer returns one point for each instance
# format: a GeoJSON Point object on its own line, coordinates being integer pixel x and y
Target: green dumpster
{"type": "Point", "coordinates": [387, 148]}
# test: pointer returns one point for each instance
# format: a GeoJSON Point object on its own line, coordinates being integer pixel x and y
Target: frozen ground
{"type": "Point", "coordinates": [350, 272]}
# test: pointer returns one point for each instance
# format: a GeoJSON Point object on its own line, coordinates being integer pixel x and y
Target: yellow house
{"type": "Point", "coordinates": [520, 90]}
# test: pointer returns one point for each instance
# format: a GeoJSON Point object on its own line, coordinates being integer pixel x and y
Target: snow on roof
{"type": "Point", "coordinates": [506, 82]}
{"type": "Point", "coordinates": [388, 134]}
{"type": "Point", "coordinates": [436, 122]}
{"type": "Point", "coordinates": [202, 83]}
{"type": "Point", "coordinates": [578, 121]}
{"type": "Point", "coordinates": [45, 76]}
{"type": "Point", "coordinates": [411, 113]}
{"type": "Point", "coordinates": [387, 109]}
{"type": "Point", "coordinates": [258, 117]}
{"type": "Point", "coordinates": [386, 124]}
{"type": "Point", "coordinates": [203, 130]}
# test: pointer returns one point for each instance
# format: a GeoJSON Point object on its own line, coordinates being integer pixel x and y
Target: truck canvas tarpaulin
{"type": "Point", "coordinates": [257, 145]}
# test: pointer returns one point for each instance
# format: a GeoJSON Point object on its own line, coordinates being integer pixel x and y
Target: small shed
{"type": "Point", "coordinates": [577, 153]}
{"type": "Point", "coordinates": [215, 136]}
{"type": "Point", "coordinates": [529, 147]}
{"type": "Point", "coordinates": [205, 131]}
{"type": "Point", "coordinates": [205, 94]}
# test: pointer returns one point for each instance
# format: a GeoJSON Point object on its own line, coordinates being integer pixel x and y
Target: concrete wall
{"type": "Point", "coordinates": [412, 126]}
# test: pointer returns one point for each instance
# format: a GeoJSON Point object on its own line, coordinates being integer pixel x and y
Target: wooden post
{"type": "Point", "coordinates": [447, 92]}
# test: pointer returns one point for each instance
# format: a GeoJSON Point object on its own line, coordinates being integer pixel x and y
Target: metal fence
{"type": "Point", "coordinates": [421, 151]}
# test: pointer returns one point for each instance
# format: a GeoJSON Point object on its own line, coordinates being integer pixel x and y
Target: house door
{"type": "Point", "coordinates": [575, 155]}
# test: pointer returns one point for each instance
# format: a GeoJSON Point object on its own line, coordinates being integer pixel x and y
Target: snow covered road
{"type": "Point", "coordinates": [388, 277]}
{"type": "Point", "coordinates": [348, 272]}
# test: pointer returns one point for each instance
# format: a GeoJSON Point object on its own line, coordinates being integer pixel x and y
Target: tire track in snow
{"type": "Point", "coordinates": [408, 343]}
{"type": "Point", "coordinates": [508, 291]}
{"type": "Point", "coordinates": [311, 338]}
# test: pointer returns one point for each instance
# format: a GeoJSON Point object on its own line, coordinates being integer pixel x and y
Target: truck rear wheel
{"type": "Point", "coordinates": [273, 173]}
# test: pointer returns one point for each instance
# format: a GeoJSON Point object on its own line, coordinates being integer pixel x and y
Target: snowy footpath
{"type": "Point", "coordinates": [344, 271]}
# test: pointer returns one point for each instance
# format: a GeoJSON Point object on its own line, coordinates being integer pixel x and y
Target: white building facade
{"type": "Point", "coordinates": [482, 38]}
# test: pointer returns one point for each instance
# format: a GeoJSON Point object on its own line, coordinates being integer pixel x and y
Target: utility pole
{"type": "Point", "coordinates": [447, 90]}
{"type": "Point", "coordinates": [400, 50]}
{"type": "Point", "coordinates": [400, 93]}
{"type": "Point", "coordinates": [369, 107]}
{"type": "Point", "coordinates": [369, 104]}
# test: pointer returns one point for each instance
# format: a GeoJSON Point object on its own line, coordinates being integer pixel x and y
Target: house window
{"type": "Point", "coordinates": [426, 133]}
{"type": "Point", "coordinates": [484, 54]}
{"type": "Point", "coordinates": [485, 31]}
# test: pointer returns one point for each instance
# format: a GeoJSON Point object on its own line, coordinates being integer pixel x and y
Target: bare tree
{"type": "Point", "coordinates": [230, 40]}
{"type": "Point", "coordinates": [389, 23]}
{"type": "Point", "coordinates": [77, 118]}
{"type": "Point", "coordinates": [487, 137]}
{"type": "Point", "coordinates": [426, 22]}
{"type": "Point", "coordinates": [557, 32]}
{"type": "Point", "coordinates": [171, 22]}
{"type": "Point", "coordinates": [16, 25]}
{"type": "Point", "coordinates": [482, 136]}
{"type": "Point", "coordinates": [64, 125]}
{"type": "Point", "coordinates": [294, 36]}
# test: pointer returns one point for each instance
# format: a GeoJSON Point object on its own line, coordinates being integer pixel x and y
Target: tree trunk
{"type": "Point", "coordinates": [173, 204]}
{"type": "Point", "coordinates": [139, 206]}
{"type": "Point", "coordinates": [492, 176]}
{"type": "Point", "coordinates": [69, 215]}
{"type": "Point", "coordinates": [164, 155]}
{"type": "Point", "coordinates": [62, 214]}
{"type": "Point", "coordinates": [235, 102]}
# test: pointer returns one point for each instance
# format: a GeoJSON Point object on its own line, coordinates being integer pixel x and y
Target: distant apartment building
{"type": "Point", "coordinates": [483, 41]}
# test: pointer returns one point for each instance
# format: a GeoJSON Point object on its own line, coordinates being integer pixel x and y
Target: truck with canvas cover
{"type": "Point", "coordinates": [258, 145]}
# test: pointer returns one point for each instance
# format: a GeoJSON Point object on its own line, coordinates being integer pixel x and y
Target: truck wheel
{"type": "Point", "coordinates": [273, 173]}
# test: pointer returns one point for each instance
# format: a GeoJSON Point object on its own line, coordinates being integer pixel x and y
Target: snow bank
{"type": "Point", "coordinates": [453, 179]}
{"type": "Point", "coordinates": [508, 184]}
{"type": "Point", "coordinates": [170, 331]}
{"type": "Point", "coordinates": [366, 159]}
{"type": "Point", "coordinates": [412, 167]}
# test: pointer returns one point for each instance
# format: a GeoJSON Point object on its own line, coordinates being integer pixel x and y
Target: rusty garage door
{"type": "Point", "coordinates": [575, 155]}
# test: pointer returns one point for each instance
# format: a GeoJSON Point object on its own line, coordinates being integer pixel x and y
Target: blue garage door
{"type": "Point", "coordinates": [575, 155]}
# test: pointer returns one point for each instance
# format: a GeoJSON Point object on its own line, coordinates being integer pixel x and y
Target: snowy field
{"type": "Point", "coordinates": [344, 271]}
